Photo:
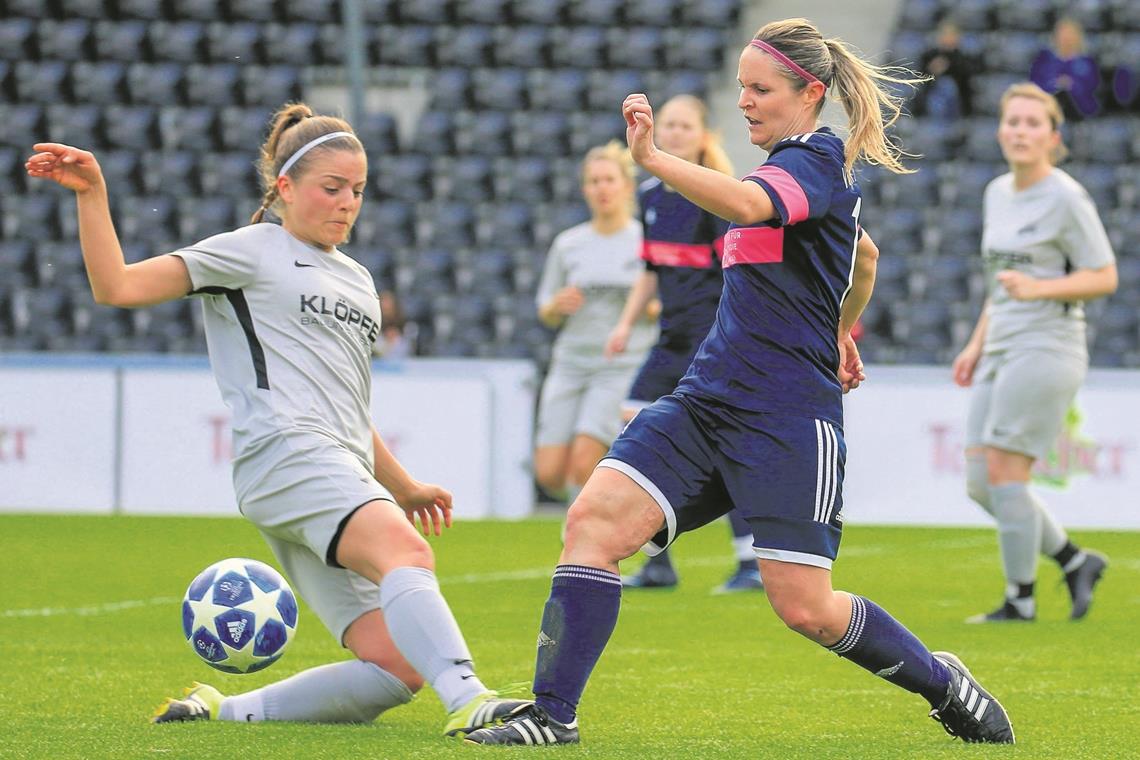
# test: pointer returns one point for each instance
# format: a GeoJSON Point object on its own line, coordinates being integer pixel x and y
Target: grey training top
{"type": "Point", "coordinates": [290, 330]}
{"type": "Point", "coordinates": [1046, 231]}
{"type": "Point", "coordinates": [604, 267]}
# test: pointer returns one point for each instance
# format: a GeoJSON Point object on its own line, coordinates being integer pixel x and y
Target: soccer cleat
{"type": "Point", "coordinates": [969, 712]}
{"type": "Point", "coordinates": [529, 724]}
{"type": "Point", "coordinates": [201, 702]}
{"type": "Point", "coordinates": [651, 575]}
{"type": "Point", "coordinates": [1081, 581]}
{"type": "Point", "coordinates": [741, 580]}
{"type": "Point", "coordinates": [484, 710]}
{"type": "Point", "coordinates": [1006, 613]}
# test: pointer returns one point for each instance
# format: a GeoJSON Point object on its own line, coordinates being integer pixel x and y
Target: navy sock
{"type": "Point", "coordinates": [879, 643]}
{"type": "Point", "coordinates": [579, 618]}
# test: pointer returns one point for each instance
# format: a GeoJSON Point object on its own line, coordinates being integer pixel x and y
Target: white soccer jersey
{"type": "Point", "coordinates": [1046, 230]}
{"type": "Point", "coordinates": [604, 267]}
{"type": "Point", "coordinates": [290, 330]}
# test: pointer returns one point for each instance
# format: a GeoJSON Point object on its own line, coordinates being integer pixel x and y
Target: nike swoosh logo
{"type": "Point", "coordinates": [464, 678]}
{"type": "Point", "coordinates": [299, 264]}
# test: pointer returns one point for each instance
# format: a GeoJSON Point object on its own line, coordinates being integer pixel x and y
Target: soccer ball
{"type": "Point", "coordinates": [239, 615]}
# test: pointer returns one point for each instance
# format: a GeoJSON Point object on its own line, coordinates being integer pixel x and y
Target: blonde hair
{"type": "Point", "coordinates": [1052, 110]}
{"type": "Point", "coordinates": [712, 154]}
{"type": "Point", "coordinates": [614, 151]}
{"type": "Point", "coordinates": [294, 126]}
{"type": "Point", "coordinates": [858, 85]}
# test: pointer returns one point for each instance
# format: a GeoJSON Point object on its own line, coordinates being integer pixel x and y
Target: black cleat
{"type": "Point", "coordinates": [527, 725]}
{"type": "Point", "coordinates": [651, 575]}
{"type": "Point", "coordinates": [969, 712]}
{"type": "Point", "coordinates": [1082, 580]}
{"type": "Point", "coordinates": [1006, 613]}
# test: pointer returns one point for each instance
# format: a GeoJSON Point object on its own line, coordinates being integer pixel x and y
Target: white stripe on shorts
{"type": "Point", "coordinates": [827, 470]}
{"type": "Point", "coordinates": [651, 488]}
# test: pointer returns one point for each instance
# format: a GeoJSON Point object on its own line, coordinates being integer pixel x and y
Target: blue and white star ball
{"type": "Point", "coordinates": [239, 615]}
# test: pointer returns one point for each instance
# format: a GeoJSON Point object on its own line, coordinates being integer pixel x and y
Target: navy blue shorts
{"type": "Point", "coordinates": [663, 369]}
{"type": "Point", "coordinates": [782, 473]}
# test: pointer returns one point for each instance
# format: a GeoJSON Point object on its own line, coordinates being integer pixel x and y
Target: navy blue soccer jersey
{"type": "Point", "coordinates": [772, 347]}
{"type": "Point", "coordinates": [682, 244]}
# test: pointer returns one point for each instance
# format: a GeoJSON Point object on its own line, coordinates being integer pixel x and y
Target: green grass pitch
{"type": "Point", "coordinates": [90, 641]}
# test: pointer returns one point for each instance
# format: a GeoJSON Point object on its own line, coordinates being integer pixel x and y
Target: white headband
{"type": "Point", "coordinates": [309, 146]}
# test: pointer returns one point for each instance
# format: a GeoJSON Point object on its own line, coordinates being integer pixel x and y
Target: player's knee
{"type": "Point", "coordinates": [799, 617]}
{"type": "Point", "coordinates": [393, 664]}
{"type": "Point", "coordinates": [590, 525]}
{"type": "Point", "coordinates": [412, 550]}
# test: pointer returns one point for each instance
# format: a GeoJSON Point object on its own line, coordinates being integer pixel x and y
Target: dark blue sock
{"type": "Point", "coordinates": [879, 643]}
{"type": "Point", "coordinates": [579, 617]}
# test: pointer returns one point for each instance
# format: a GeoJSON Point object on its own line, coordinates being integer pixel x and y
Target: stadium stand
{"type": "Point", "coordinates": [174, 98]}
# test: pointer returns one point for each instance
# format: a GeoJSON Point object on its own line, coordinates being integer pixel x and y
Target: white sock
{"type": "Point", "coordinates": [1026, 605]}
{"type": "Point", "coordinates": [425, 632]}
{"type": "Point", "coordinates": [353, 691]}
{"type": "Point", "coordinates": [742, 546]}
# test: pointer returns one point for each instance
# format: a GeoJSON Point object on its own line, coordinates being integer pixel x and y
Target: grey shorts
{"type": "Point", "coordinates": [578, 400]}
{"type": "Point", "coordinates": [300, 506]}
{"type": "Point", "coordinates": [1020, 399]}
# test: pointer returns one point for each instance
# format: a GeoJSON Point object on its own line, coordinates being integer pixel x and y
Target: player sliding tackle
{"type": "Point", "coordinates": [756, 424]}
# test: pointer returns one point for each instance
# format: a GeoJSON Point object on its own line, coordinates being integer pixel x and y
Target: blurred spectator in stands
{"type": "Point", "coordinates": [1067, 72]}
{"type": "Point", "coordinates": [949, 93]}
{"type": "Point", "coordinates": [392, 326]}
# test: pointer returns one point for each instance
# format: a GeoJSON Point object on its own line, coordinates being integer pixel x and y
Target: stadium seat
{"type": "Point", "coordinates": [701, 49]}
{"type": "Point", "coordinates": [122, 172]}
{"type": "Point", "coordinates": [500, 89]}
{"type": "Point", "coordinates": [1025, 15]}
{"type": "Point", "coordinates": [191, 128]}
{"type": "Point", "coordinates": [601, 13]}
{"type": "Point", "coordinates": [1012, 52]}
{"type": "Point", "coordinates": [55, 261]}
{"type": "Point", "coordinates": [320, 11]}
{"type": "Point", "coordinates": [1098, 180]}
{"type": "Point", "coordinates": [261, 11]}
{"type": "Point", "coordinates": [451, 89]}
{"type": "Point", "coordinates": [592, 129]}
{"type": "Point", "coordinates": [635, 48]}
{"type": "Point", "coordinates": [377, 130]}
{"type": "Point", "coordinates": [201, 10]}
{"type": "Point", "coordinates": [582, 46]}
{"type": "Point", "coordinates": [486, 133]}
{"type": "Point", "coordinates": [395, 222]}
{"type": "Point", "coordinates": [973, 15]}
{"type": "Point", "coordinates": [557, 89]}
{"type": "Point", "coordinates": [233, 42]}
{"type": "Point", "coordinates": [434, 134]}
{"type": "Point", "coordinates": [541, 133]}
{"type": "Point", "coordinates": [75, 125]}
{"type": "Point", "coordinates": [905, 48]}
{"type": "Point", "coordinates": [243, 129]}
{"type": "Point", "coordinates": [660, 13]}
{"type": "Point", "coordinates": [1125, 15]}
{"type": "Point", "coordinates": [1107, 140]}
{"type": "Point", "coordinates": [17, 260]}
{"type": "Point", "coordinates": [715, 14]}
{"type": "Point", "coordinates": [919, 15]}
{"type": "Point", "coordinates": [988, 89]}
{"type": "Point", "coordinates": [230, 174]}
{"type": "Point", "coordinates": [11, 171]}
{"type": "Point", "coordinates": [41, 81]}
{"type": "Point", "coordinates": [449, 224]}
{"type": "Point", "coordinates": [406, 177]}
{"type": "Point", "coordinates": [405, 45]}
{"type": "Point", "coordinates": [608, 88]}
{"type": "Point", "coordinates": [178, 41]}
{"type": "Point", "coordinates": [469, 45]}
{"type": "Point", "coordinates": [22, 121]}
{"type": "Point", "coordinates": [213, 85]}
{"type": "Point", "coordinates": [527, 47]}
{"type": "Point", "coordinates": [426, 12]}
{"type": "Point", "coordinates": [98, 82]}
{"type": "Point", "coordinates": [525, 178]}
{"type": "Point", "coordinates": [134, 127]}
{"type": "Point", "coordinates": [918, 190]}
{"type": "Point", "coordinates": [146, 218]}
{"type": "Point", "coordinates": [120, 40]}
{"type": "Point", "coordinates": [17, 39]}
{"type": "Point", "coordinates": [270, 86]}
{"type": "Point", "coordinates": [200, 218]}
{"type": "Point", "coordinates": [290, 43]}
{"type": "Point", "coordinates": [67, 40]}
{"type": "Point", "coordinates": [947, 278]}
{"type": "Point", "coordinates": [981, 143]}
{"type": "Point", "coordinates": [466, 178]}
{"type": "Point", "coordinates": [149, 10]}
{"type": "Point", "coordinates": [663, 86]}
{"type": "Point", "coordinates": [543, 12]}
{"type": "Point", "coordinates": [331, 48]}
{"type": "Point", "coordinates": [155, 84]}
{"type": "Point", "coordinates": [173, 172]}
{"type": "Point", "coordinates": [482, 11]}
{"type": "Point", "coordinates": [508, 225]}
{"type": "Point", "coordinates": [492, 270]}
{"type": "Point", "coordinates": [89, 9]}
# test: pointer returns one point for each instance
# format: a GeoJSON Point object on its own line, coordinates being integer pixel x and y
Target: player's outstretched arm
{"type": "Point", "coordinates": [427, 501]}
{"type": "Point", "coordinates": [113, 282]}
{"type": "Point", "coordinates": [724, 196]}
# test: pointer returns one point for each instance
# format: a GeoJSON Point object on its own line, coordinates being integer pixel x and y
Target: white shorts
{"type": "Point", "coordinates": [301, 503]}
{"type": "Point", "coordinates": [580, 400]}
{"type": "Point", "coordinates": [1020, 399]}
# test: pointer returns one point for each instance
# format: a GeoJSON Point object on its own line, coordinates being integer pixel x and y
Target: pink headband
{"type": "Point", "coordinates": [796, 68]}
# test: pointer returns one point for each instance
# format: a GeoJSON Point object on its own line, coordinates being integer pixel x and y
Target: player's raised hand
{"type": "Point", "coordinates": [70, 167]}
{"type": "Point", "coordinates": [638, 127]}
{"type": "Point", "coordinates": [850, 371]}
